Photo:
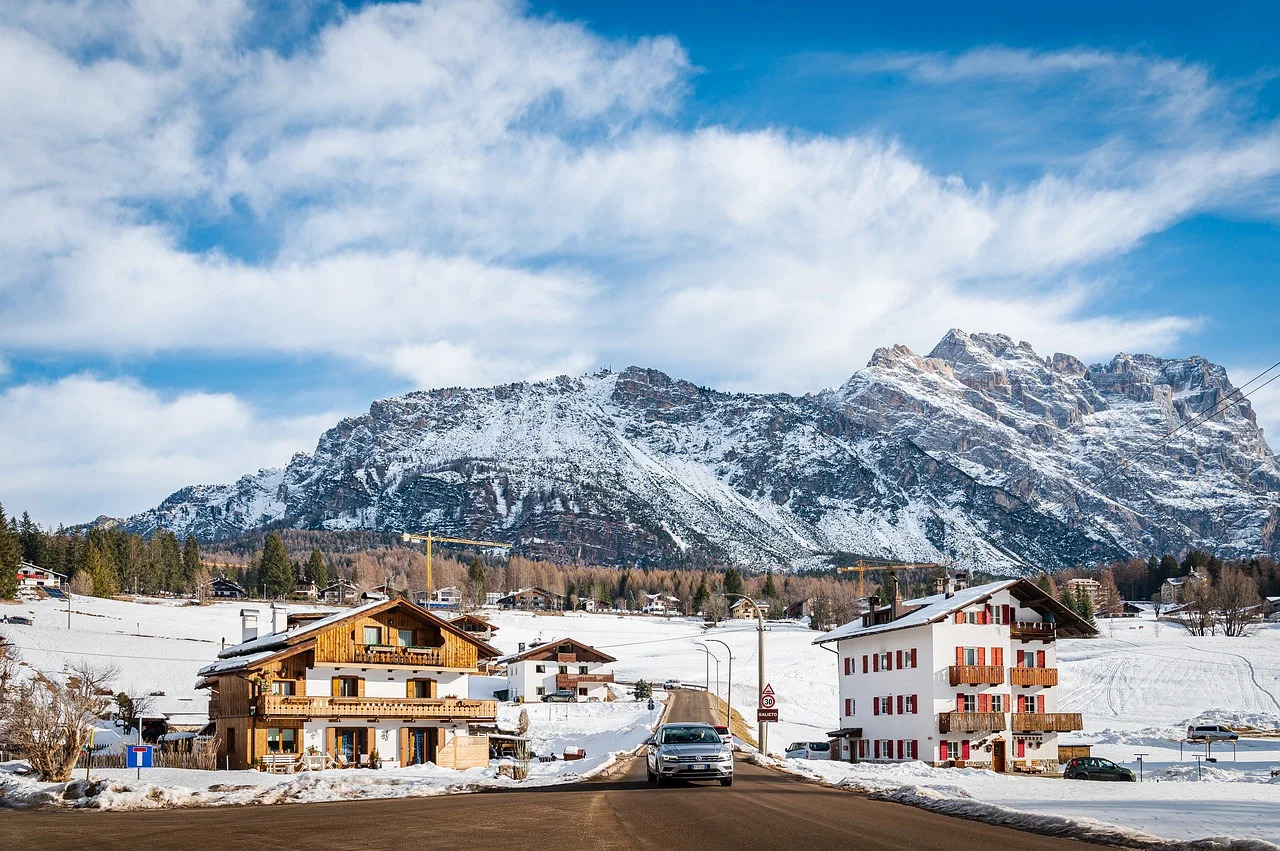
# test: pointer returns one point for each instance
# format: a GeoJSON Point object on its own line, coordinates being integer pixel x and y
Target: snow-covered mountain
{"type": "Point", "coordinates": [981, 451]}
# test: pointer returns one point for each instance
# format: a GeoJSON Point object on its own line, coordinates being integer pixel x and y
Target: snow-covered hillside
{"type": "Point", "coordinates": [982, 452]}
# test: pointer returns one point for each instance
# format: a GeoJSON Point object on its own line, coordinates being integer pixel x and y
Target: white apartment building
{"type": "Point", "coordinates": [965, 677]}
{"type": "Point", "coordinates": [556, 666]}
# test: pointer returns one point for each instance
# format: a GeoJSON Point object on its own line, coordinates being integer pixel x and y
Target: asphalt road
{"type": "Point", "coordinates": [763, 809]}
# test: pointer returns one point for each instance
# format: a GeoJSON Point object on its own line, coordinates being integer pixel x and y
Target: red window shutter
{"type": "Point", "coordinates": [1008, 613]}
{"type": "Point", "coordinates": [983, 702]}
{"type": "Point", "coordinates": [942, 750]}
{"type": "Point", "coordinates": [899, 748]}
{"type": "Point", "coordinates": [1021, 657]}
{"type": "Point", "coordinates": [864, 663]}
{"type": "Point", "coordinates": [915, 703]}
{"type": "Point", "coordinates": [875, 706]}
{"type": "Point", "coordinates": [848, 706]}
{"type": "Point", "coordinates": [900, 698]}
{"type": "Point", "coordinates": [1022, 747]}
{"type": "Point", "coordinates": [848, 666]}
{"type": "Point", "coordinates": [1022, 703]}
{"type": "Point", "coordinates": [875, 662]}
{"type": "Point", "coordinates": [964, 749]}
{"type": "Point", "coordinates": [960, 702]}
{"type": "Point", "coordinates": [915, 749]}
{"type": "Point", "coordinates": [959, 655]}
{"type": "Point", "coordinates": [899, 660]}
{"type": "Point", "coordinates": [982, 655]}
{"type": "Point", "coordinates": [997, 655]}
{"type": "Point", "coordinates": [986, 613]}
{"type": "Point", "coordinates": [862, 748]}
{"type": "Point", "coordinates": [888, 704]}
{"type": "Point", "coordinates": [959, 617]}
{"type": "Point", "coordinates": [877, 748]}
{"type": "Point", "coordinates": [913, 657]}
{"type": "Point", "coordinates": [1039, 658]}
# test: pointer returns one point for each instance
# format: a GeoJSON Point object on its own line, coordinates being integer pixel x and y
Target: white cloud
{"type": "Point", "coordinates": [463, 193]}
{"type": "Point", "coordinates": [82, 446]}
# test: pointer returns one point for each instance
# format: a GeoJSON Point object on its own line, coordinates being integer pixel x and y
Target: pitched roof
{"type": "Point", "coordinates": [265, 646]}
{"type": "Point", "coordinates": [550, 647]}
{"type": "Point", "coordinates": [937, 607]}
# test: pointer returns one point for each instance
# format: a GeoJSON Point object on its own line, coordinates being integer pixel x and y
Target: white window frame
{"type": "Point", "coordinates": [953, 749]}
{"type": "Point", "coordinates": [540, 690]}
{"type": "Point", "coordinates": [970, 703]}
{"type": "Point", "coordinates": [971, 653]}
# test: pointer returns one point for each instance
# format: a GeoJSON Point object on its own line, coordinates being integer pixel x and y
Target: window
{"type": "Point", "coordinates": [372, 635]}
{"type": "Point", "coordinates": [539, 669]}
{"type": "Point", "coordinates": [885, 705]}
{"type": "Point", "coordinates": [582, 692]}
{"type": "Point", "coordinates": [997, 703]}
{"type": "Point", "coordinates": [282, 740]}
{"type": "Point", "coordinates": [582, 669]}
{"type": "Point", "coordinates": [911, 704]}
{"type": "Point", "coordinates": [541, 690]}
{"type": "Point", "coordinates": [284, 687]}
{"type": "Point", "coordinates": [405, 637]}
{"type": "Point", "coordinates": [953, 750]}
{"type": "Point", "coordinates": [421, 688]}
{"type": "Point", "coordinates": [971, 617]}
{"type": "Point", "coordinates": [885, 661]}
{"type": "Point", "coordinates": [967, 702]}
{"type": "Point", "coordinates": [848, 666]}
{"type": "Point", "coordinates": [348, 687]}
{"type": "Point", "coordinates": [884, 748]}
{"type": "Point", "coordinates": [909, 749]}
{"type": "Point", "coordinates": [564, 669]}
{"type": "Point", "coordinates": [971, 655]}
{"type": "Point", "coordinates": [1035, 703]}
{"type": "Point", "coordinates": [848, 707]}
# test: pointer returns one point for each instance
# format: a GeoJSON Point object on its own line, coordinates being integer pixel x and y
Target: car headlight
{"type": "Point", "coordinates": [724, 755]}
{"type": "Point", "coordinates": [670, 756]}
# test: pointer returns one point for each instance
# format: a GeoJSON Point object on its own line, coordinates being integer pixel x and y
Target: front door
{"type": "Point", "coordinates": [347, 745]}
{"type": "Point", "coordinates": [997, 755]}
{"type": "Point", "coordinates": [419, 739]}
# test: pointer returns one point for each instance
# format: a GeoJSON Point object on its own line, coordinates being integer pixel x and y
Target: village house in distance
{"type": "Point", "coordinates": [560, 665]}
{"type": "Point", "coordinates": [387, 677]}
{"type": "Point", "coordinates": [927, 679]}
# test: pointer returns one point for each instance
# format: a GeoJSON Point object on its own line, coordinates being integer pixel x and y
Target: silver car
{"type": "Point", "coordinates": [688, 751]}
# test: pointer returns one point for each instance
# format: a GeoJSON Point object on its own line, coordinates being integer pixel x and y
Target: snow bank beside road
{"type": "Point", "coordinates": [606, 731]}
{"type": "Point", "coordinates": [1154, 815]}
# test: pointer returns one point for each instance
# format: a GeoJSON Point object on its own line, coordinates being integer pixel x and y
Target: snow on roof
{"type": "Point", "coordinates": [545, 646]}
{"type": "Point", "coordinates": [234, 664]}
{"type": "Point", "coordinates": [931, 608]}
{"type": "Point", "coordinates": [276, 640]}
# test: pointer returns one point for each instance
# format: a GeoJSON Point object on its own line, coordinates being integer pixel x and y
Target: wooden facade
{"type": "Point", "coordinates": [269, 696]}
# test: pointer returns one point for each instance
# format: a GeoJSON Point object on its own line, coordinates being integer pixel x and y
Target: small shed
{"type": "Point", "coordinates": [1073, 750]}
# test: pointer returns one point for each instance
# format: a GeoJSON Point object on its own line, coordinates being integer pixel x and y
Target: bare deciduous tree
{"type": "Point", "coordinates": [716, 609]}
{"type": "Point", "coordinates": [1237, 602]}
{"type": "Point", "coordinates": [50, 721]}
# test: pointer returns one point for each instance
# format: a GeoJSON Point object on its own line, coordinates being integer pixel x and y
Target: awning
{"type": "Point", "coordinates": [846, 732]}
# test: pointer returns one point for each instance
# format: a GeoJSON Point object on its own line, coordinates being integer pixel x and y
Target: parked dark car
{"type": "Point", "coordinates": [18, 619]}
{"type": "Point", "coordinates": [1096, 768]}
{"type": "Point", "coordinates": [564, 695]}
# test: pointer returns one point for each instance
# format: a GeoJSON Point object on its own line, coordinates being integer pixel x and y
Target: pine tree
{"type": "Point", "coordinates": [32, 541]}
{"type": "Point", "coordinates": [317, 570]}
{"type": "Point", "coordinates": [1066, 598]}
{"type": "Point", "coordinates": [190, 561]}
{"type": "Point", "coordinates": [732, 582]}
{"type": "Point", "coordinates": [276, 570]}
{"type": "Point", "coordinates": [475, 581]}
{"type": "Point", "coordinates": [100, 571]}
{"type": "Point", "coordinates": [770, 591]}
{"type": "Point", "coordinates": [1084, 606]}
{"type": "Point", "coordinates": [700, 595]}
{"type": "Point", "coordinates": [10, 559]}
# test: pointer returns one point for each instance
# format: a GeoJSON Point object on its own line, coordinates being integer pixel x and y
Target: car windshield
{"type": "Point", "coordinates": [689, 735]}
{"type": "Point", "coordinates": [819, 746]}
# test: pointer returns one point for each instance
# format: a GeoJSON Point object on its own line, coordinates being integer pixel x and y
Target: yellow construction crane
{"type": "Point", "coordinates": [432, 538]}
{"type": "Point", "coordinates": [862, 568]}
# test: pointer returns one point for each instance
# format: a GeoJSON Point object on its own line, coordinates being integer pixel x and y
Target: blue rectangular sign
{"type": "Point", "coordinates": [137, 756]}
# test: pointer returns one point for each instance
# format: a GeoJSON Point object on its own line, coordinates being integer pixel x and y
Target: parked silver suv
{"type": "Point", "coordinates": [688, 751]}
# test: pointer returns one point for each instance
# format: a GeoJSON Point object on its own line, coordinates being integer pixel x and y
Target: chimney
{"type": "Point", "coordinates": [951, 585]}
{"type": "Point", "coordinates": [521, 649]}
{"type": "Point", "coordinates": [248, 625]}
{"type": "Point", "coordinates": [279, 618]}
{"type": "Point", "coordinates": [962, 580]}
{"type": "Point", "coordinates": [940, 584]}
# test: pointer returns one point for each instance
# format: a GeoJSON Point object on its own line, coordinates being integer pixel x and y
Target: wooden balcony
{"type": "Point", "coordinates": [970, 722]}
{"type": "Point", "coordinates": [567, 658]}
{"type": "Point", "coordinates": [572, 681]}
{"type": "Point", "coordinates": [291, 706]}
{"type": "Point", "coordinates": [1033, 676]}
{"type": "Point", "coordinates": [409, 657]}
{"type": "Point", "coordinates": [1046, 722]}
{"type": "Point", "coordinates": [1032, 629]}
{"type": "Point", "coordinates": [977, 675]}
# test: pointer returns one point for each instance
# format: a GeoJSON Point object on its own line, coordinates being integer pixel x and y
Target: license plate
{"type": "Point", "coordinates": [700, 766]}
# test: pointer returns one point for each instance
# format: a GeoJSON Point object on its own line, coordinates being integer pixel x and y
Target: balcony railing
{"type": "Point", "coordinates": [368, 654]}
{"type": "Point", "coordinates": [574, 680]}
{"type": "Point", "coordinates": [374, 707]}
{"type": "Point", "coordinates": [977, 675]}
{"type": "Point", "coordinates": [1032, 629]}
{"type": "Point", "coordinates": [1033, 676]}
{"type": "Point", "coordinates": [1046, 722]}
{"type": "Point", "coordinates": [970, 722]}
{"type": "Point", "coordinates": [567, 658]}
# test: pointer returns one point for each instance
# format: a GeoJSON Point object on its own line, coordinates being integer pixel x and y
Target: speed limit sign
{"type": "Point", "coordinates": [767, 700]}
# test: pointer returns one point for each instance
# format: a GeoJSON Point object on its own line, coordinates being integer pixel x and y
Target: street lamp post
{"type": "Point", "coordinates": [728, 697]}
{"type": "Point", "coordinates": [760, 725]}
{"type": "Point", "coordinates": [704, 648]}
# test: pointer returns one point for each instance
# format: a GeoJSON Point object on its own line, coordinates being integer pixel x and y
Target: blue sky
{"type": "Point", "coordinates": [235, 223]}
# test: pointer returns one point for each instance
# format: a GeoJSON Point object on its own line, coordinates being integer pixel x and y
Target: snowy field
{"type": "Point", "coordinates": [1138, 685]}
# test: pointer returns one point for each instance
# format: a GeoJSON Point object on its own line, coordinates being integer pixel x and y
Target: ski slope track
{"type": "Point", "coordinates": [981, 451]}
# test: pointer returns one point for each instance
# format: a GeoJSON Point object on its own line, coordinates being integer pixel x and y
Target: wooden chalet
{"type": "Point", "coordinates": [387, 677]}
{"type": "Point", "coordinates": [221, 588]}
{"type": "Point", "coordinates": [561, 665]}
{"type": "Point", "coordinates": [532, 598]}
{"type": "Point", "coordinates": [475, 625]}
{"type": "Point", "coordinates": [338, 593]}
